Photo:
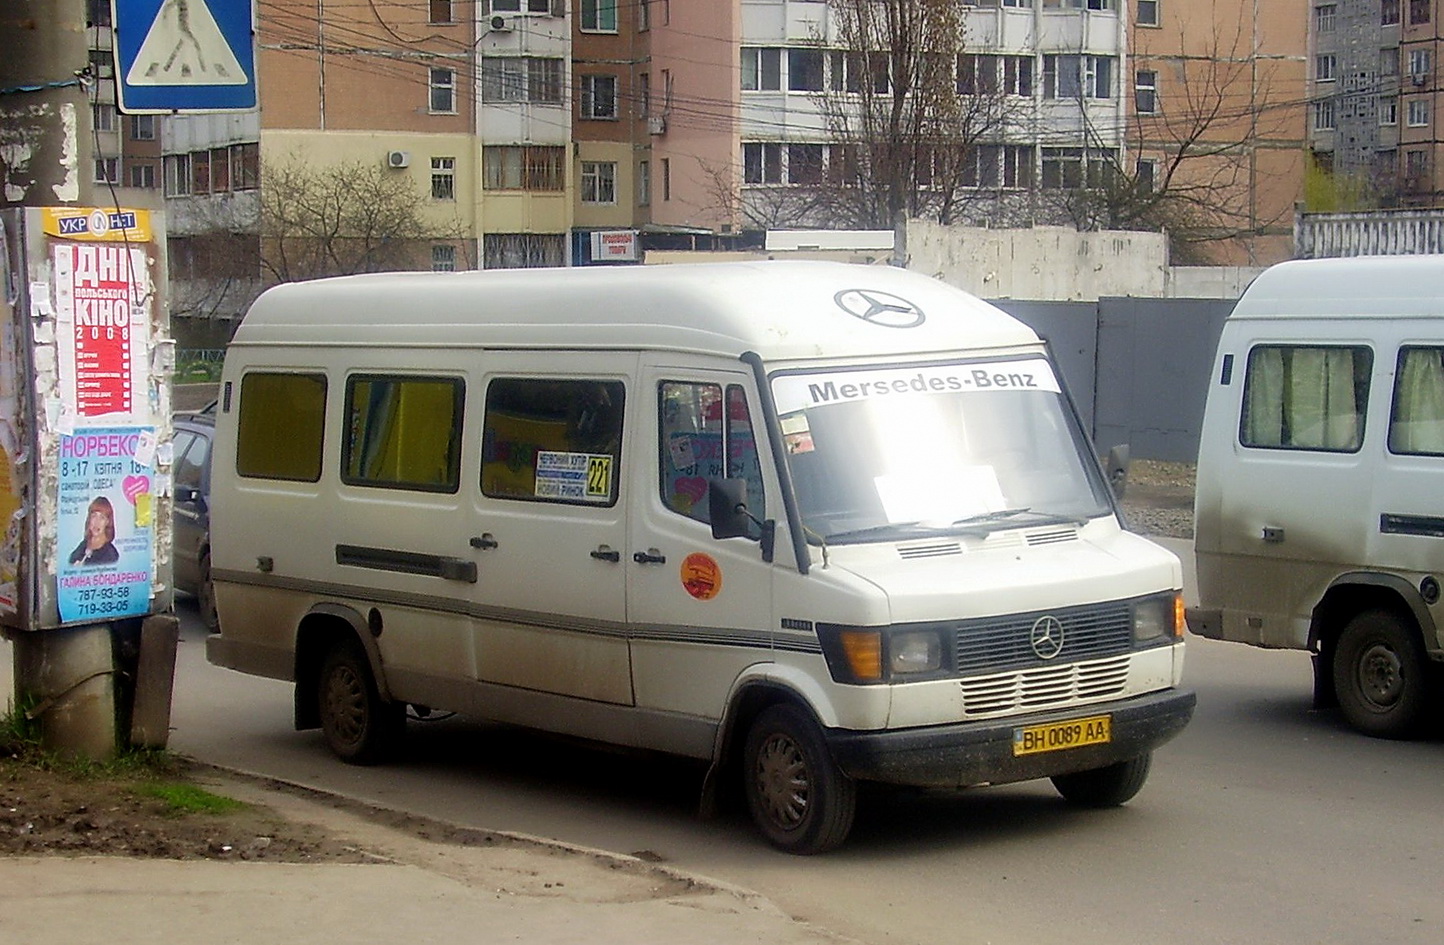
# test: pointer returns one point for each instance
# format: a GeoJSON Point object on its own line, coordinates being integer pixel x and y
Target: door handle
{"type": "Point", "coordinates": [650, 556]}
{"type": "Point", "coordinates": [604, 553]}
{"type": "Point", "coordinates": [483, 541]}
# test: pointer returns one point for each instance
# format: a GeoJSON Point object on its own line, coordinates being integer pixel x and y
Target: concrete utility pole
{"type": "Point", "coordinates": [45, 118]}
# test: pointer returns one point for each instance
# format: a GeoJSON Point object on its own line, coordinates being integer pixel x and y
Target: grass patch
{"type": "Point", "coordinates": [188, 799]}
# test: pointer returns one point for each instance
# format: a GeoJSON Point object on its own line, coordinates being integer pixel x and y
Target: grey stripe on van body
{"type": "Point", "coordinates": [363, 596]}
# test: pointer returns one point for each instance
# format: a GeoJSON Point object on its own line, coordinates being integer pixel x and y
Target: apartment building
{"type": "Point", "coordinates": [1218, 120]}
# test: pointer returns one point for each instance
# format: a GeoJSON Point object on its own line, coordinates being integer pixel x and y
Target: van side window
{"type": "Point", "coordinates": [403, 433]}
{"type": "Point", "coordinates": [279, 427]}
{"type": "Point", "coordinates": [1416, 419]}
{"type": "Point", "coordinates": [1305, 397]}
{"type": "Point", "coordinates": [702, 436]}
{"type": "Point", "coordinates": [552, 440]}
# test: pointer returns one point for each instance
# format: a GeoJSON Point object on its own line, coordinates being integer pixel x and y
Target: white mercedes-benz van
{"type": "Point", "coordinates": [1318, 512]}
{"type": "Point", "coordinates": [815, 523]}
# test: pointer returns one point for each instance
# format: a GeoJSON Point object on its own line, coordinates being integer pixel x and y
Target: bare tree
{"type": "Point", "coordinates": [324, 220]}
{"type": "Point", "coordinates": [1218, 131]}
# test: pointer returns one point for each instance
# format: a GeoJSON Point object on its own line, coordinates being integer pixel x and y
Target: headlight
{"type": "Point", "coordinates": [1158, 617]}
{"type": "Point", "coordinates": [915, 652]}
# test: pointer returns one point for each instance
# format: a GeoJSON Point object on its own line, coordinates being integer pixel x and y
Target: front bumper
{"type": "Point", "coordinates": [968, 753]}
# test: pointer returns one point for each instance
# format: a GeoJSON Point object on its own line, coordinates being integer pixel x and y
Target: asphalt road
{"type": "Point", "coordinates": [1265, 822]}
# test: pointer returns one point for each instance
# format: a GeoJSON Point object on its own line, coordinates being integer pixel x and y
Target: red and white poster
{"type": "Point", "coordinates": [101, 297]}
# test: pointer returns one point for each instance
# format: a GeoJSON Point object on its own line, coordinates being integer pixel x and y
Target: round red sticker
{"type": "Point", "coordinates": [701, 576]}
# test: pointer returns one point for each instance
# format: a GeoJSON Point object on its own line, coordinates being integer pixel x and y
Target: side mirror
{"type": "Point", "coordinates": [727, 508]}
{"type": "Point", "coordinates": [1117, 469]}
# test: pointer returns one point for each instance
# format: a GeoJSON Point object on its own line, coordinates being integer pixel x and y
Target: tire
{"type": "Point", "coordinates": [360, 727]}
{"type": "Point", "coordinates": [799, 798]}
{"type": "Point", "coordinates": [1112, 786]}
{"type": "Point", "coordinates": [1381, 677]}
{"type": "Point", "coordinates": [206, 597]}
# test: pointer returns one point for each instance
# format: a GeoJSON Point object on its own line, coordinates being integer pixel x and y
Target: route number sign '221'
{"type": "Point", "coordinates": [184, 55]}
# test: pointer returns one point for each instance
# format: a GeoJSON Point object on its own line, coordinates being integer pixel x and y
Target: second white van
{"type": "Point", "coordinates": [813, 524]}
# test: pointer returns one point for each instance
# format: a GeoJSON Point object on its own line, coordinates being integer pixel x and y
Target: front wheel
{"type": "Point", "coordinates": [799, 798]}
{"type": "Point", "coordinates": [360, 726]}
{"type": "Point", "coordinates": [1105, 787]}
{"type": "Point", "coordinates": [1380, 675]}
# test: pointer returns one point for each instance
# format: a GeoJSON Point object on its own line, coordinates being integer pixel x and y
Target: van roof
{"type": "Point", "coordinates": [1356, 287]}
{"type": "Point", "coordinates": [781, 310]}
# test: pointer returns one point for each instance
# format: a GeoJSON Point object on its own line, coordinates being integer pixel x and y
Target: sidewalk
{"type": "Point", "coordinates": [490, 888]}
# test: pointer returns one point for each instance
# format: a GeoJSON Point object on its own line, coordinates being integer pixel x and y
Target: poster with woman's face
{"type": "Point", "coordinates": [107, 523]}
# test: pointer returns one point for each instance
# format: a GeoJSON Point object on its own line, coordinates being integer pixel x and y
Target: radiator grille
{"type": "Point", "coordinates": [991, 644]}
{"type": "Point", "coordinates": [1041, 688]}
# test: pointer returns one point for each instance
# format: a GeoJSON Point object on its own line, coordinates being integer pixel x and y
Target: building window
{"type": "Point", "coordinates": [1389, 61]}
{"type": "Point", "coordinates": [1075, 168]}
{"type": "Point", "coordinates": [1419, 11]}
{"type": "Point", "coordinates": [1389, 111]}
{"type": "Point", "coordinates": [1418, 116]}
{"type": "Point", "coordinates": [521, 79]}
{"type": "Point", "coordinates": [804, 163]}
{"type": "Point", "coordinates": [644, 15]}
{"type": "Point", "coordinates": [101, 63]}
{"type": "Point", "coordinates": [523, 167]}
{"type": "Point", "coordinates": [666, 175]}
{"type": "Point", "coordinates": [443, 91]}
{"type": "Point", "coordinates": [1324, 17]}
{"type": "Point", "coordinates": [220, 170]}
{"type": "Point", "coordinates": [1419, 66]}
{"type": "Point", "coordinates": [245, 166]}
{"type": "Point", "coordinates": [644, 183]}
{"type": "Point", "coordinates": [599, 182]}
{"type": "Point", "coordinates": [1146, 12]}
{"type": "Point", "coordinates": [521, 6]}
{"type": "Point", "coordinates": [599, 97]}
{"type": "Point", "coordinates": [1324, 65]}
{"type": "Point", "coordinates": [107, 170]}
{"type": "Point", "coordinates": [599, 16]}
{"type": "Point", "coordinates": [177, 175]}
{"type": "Point", "coordinates": [761, 69]}
{"type": "Point", "coordinates": [1146, 174]}
{"type": "Point", "coordinates": [443, 178]}
{"type": "Point", "coordinates": [104, 115]}
{"type": "Point", "coordinates": [97, 12]}
{"type": "Point", "coordinates": [524, 250]}
{"type": "Point", "coordinates": [1324, 115]}
{"type": "Point", "coordinates": [200, 172]}
{"type": "Point", "coordinates": [440, 11]}
{"type": "Point", "coordinates": [1017, 166]}
{"type": "Point", "coordinates": [142, 127]}
{"type": "Point", "coordinates": [1072, 77]}
{"type": "Point", "coordinates": [804, 70]}
{"type": "Point", "coordinates": [1389, 12]}
{"type": "Point", "coordinates": [1018, 75]}
{"type": "Point", "coordinates": [977, 74]}
{"type": "Point", "coordinates": [1145, 91]}
{"type": "Point", "coordinates": [761, 163]}
{"type": "Point", "coordinates": [443, 258]}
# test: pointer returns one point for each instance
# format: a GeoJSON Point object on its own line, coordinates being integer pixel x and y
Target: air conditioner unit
{"type": "Point", "coordinates": [656, 125]}
{"type": "Point", "coordinates": [398, 159]}
{"type": "Point", "coordinates": [1418, 78]}
{"type": "Point", "coordinates": [501, 24]}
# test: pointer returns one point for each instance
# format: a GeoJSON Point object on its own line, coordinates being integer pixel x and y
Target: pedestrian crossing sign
{"type": "Point", "coordinates": [184, 55]}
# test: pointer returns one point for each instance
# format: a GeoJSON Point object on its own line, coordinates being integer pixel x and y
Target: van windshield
{"type": "Point", "coordinates": [967, 447]}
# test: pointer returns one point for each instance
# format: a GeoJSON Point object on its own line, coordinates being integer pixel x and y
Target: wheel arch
{"type": "Point", "coordinates": [1349, 595]}
{"type": "Point", "coordinates": [325, 626]}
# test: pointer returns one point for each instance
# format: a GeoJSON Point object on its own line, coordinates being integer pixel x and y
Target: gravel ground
{"type": "Point", "coordinates": [1158, 499]}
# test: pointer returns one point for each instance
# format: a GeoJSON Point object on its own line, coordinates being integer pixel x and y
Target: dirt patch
{"type": "Point", "coordinates": [141, 810]}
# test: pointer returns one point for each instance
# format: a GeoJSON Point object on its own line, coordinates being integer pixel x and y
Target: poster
{"type": "Point", "coordinates": [107, 523]}
{"type": "Point", "coordinates": [101, 302]}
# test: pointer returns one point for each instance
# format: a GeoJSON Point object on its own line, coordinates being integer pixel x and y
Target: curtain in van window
{"type": "Point", "coordinates": [1263, 414]}
{"type": "Point", "coordinates": [1322, 412]}
{"type": "Point", "coordinates": [1417, 423]}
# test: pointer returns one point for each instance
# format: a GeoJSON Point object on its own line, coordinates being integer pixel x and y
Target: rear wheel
{"type": "Point", "coordinates": [1380, 675]}
{"type": "Point", "coordinates": [359, 725]}
{"type": "Point", "coordinates": [798, 796]}
{"type": "Point", "coordinates": [1105, 787]}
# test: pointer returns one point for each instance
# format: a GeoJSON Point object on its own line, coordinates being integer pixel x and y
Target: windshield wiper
{"type": "Point", "coordinates": [874, 531]}
{"type": "Point", "coordinates": [1001, 517]}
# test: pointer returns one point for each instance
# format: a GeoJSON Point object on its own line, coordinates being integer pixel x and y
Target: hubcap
{"type": "Point", "coordinates": [346, 704]}
{"type": "Point", "coordinates": [1381, 677]}
{"type": "Point", "coordinates": [782, 781]}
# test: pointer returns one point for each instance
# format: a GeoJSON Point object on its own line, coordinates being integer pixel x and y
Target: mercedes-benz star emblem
{"type": "Point", "coordinates": [1047, 637]}
{"type": "Point", "coordinates": [879, 308]}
